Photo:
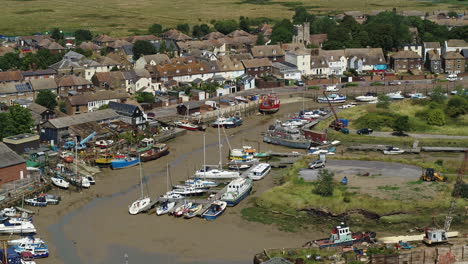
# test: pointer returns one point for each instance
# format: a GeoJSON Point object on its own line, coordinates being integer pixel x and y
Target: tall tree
{"type": "Point", "coordinates": [184, 28]}
{"type": "Point", "coordinates": [142, 47]}
{"type": "Point", "coordinates": [10, 61]}
{"type": "Point", "coordinates": [244, 23]}
{"type": "Point", "coordinates": [401, 124]}
{"type": "Point", "coordinates": [226, 26]}
{"type": "Point", "coordinates": [301, 15]}
{"type": "Point", "coordinates": [325, 184]}
{"type": "Point", "coordinates": [17, 120]}
{"type": "Point", "coordinates": [56, 34]}
{"type": "Point", "coordinates": [47, 99]}
{"type": "Point", "coordinates": [83, 35]}
{"type": "Point", "coordinates": [282, 32]}
{"type": "Point", "coordinates": [205, 29]}
{"type": "Point", "coordinates": [155, 29]}
{"type": "Point", "coordinates": [260, 40]}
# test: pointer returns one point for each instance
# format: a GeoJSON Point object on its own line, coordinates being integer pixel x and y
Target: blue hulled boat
{"type": "Point", "coordinates": [124, 161]}
{"type": "Point", "coordinates": [215, 210]}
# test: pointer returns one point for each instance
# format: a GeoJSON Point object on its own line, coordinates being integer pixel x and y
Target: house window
{"type": "Point", "coordinates": [458, 66]}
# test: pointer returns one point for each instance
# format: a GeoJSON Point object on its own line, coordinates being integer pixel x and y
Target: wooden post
{"type": "Point", "coordinates": [5, 251]}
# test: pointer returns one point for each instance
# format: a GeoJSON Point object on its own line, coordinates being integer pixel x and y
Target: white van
{"type": "Point", "coordinates": [452, 77]}
{"type": "Point", "coordinates": [332, 88]}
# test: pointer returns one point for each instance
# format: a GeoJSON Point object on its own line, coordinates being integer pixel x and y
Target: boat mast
{"type": "Point", "coordinates": [141, 180]}
{"type": "Point", "coordinates": [220, 147]}
{"type": "Point", "coordinates": [204, 156]}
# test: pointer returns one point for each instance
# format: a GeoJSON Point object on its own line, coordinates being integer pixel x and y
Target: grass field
{"type": "Point", "coordinates": [125, 17]}
{"type": "Point", "coordinates": [456, 127]}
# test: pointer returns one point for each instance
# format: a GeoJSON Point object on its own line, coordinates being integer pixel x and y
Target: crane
{"type": "Point", "coordinates": [81, 144]}
{"type": "Point", "coordinates": [336, 124]}
{"type": "Point", "coordinates": [456, 192]}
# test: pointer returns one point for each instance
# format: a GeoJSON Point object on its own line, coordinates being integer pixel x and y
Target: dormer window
{"type": "Point", "coordinates": [380, 59]}
{"type": "Point", "coordinates": [313, 63]}
{"type": "Point", "coordinates": [189, 70]}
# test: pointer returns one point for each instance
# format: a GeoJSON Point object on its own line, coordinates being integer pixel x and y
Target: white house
{"type": "Point", "coordinates": [428, 46]}
{"type": "Point", "coordinates": [102, 64]}
{"type": "Point", "coordinates": [230, 68]}
{"type": "Point", "coordinates": [455, 45]}
{"type": "Point", "coordinates": [319, 67]}
{"type": "Point", "coordinates": [139, 80]}
{"type": "Point", "coordinates": [152, 60]}
{"type": "Point", "coordinates": [300, 58]}
{"type": "Point", "coordinates": [419, 49]}
{"type": "Point", "coordinates": [286, 70]}
{"type": "Point", "coordinates": [336, 59]}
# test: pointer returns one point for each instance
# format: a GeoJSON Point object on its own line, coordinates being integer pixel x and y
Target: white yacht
{"type": "Point", "coordinates": [209, 172]}
{"type": "Point", "coordinates": [237, 190]}
{"type": "Point", "coordinates": [259, 171]}
{"type": "Point", "coordinates": [17, 227]}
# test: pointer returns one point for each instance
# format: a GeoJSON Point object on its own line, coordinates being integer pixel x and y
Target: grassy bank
{"type": "Point", "coordinates": [456, 127]}
{"type": "Point", "coordinates": [293, 205]}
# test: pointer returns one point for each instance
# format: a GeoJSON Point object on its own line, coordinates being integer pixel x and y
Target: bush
{"type": "Point", "coordinates": [464, 191]}
{"type": "Point", "coordinates": [377, 84]}
{"type": "Point", "coordinates": [325, 184]}
{"type": "Point", "coordinates": [435, 117]}
{"type": "Point", "coordinates": [376, 120]}
{"type": "Point", "coordinates": [384, 101]}
{"type": "Point", "coordinates": [351, 84]}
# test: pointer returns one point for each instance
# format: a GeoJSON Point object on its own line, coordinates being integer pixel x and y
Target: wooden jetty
{"type": "Point", "coordinates": [443, 149]}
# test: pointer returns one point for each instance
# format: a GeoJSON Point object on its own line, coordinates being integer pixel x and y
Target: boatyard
{"type": "Point", "coordinates": [150, 185]}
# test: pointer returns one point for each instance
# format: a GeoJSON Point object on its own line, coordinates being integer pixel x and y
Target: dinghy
{"type": "Point", "coordinates": [165, 207]}
{"type": "Point", "coordinates": [193, 211]}
{"type": "Point", "coordinates": [60, 182]}
{"type": "Point", "coordinates": [215, 210]}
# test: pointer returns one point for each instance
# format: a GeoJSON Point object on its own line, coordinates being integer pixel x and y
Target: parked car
{"type": "Point", "coordinates": [317, 164]}
{"type": "Point", "coordinates": [299, 83]}
{"type": "Point", "coordinates": [364, 131]}
{"type": "Point", "coordinates": [393, 83]}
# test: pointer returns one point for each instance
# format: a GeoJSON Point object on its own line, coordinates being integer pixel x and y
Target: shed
{"type": "Point", "coordinates": [12, 165]}
{"type": "Point", "coordinates": [22, 143]}
{"type": "Point", "coordinates": [189, 107]}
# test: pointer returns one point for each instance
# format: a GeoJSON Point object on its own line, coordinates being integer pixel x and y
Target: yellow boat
{"type": "Point", "coordinates": [104, 160]}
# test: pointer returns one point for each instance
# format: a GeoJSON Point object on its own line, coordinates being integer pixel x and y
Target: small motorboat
{"type": "Point", "coordinates": [172, 195]}
{"type": "Point", "coordinates": [193, 211]}
{"type": "Point", "coordinates": [239, 166]}
{"type": "Point", "coordinates": [80, 181]}
{"type": "Point", "coordinates": [215, 210]}
{"type": "Point", "coordinates": [104, 160]}
{"type": "Point", "coordinates": [366, 98]}
{"type": "Point", "coordinates": [417, 96]}
{"type": "Point", "coordinates": [38, 201]}
{"type": "Point", "coordinates": [60, 182]}
{"type": "Point", "coordinates": [200, 183]}
{"type": "Point", "coordinates": [185, 124]}
{"type": "Point", "coordinates": [269, 104]}
{"type": "Point", "coordinates": [393, 151]}
{"type": "Point", "coordinates": [165, 207]}
{"type": "Point", "coordinates": [17, 227]}
{"type": "Point", "coordinates": [332, 98]}
{"type": "Point", "coordinates": [27, 258]}
{"type": "Point", "coordinates": [90, 179]}
{"type": "Point", "coordinates": [189, 191]}
{"type": "Point", "coordinates": [156, 151]}
{"type": "Point", "coordinates": [10, 212]}
{"type": "Point", "coordinates": [396, 95]}
{"type": "Point", "coordinates": [140, 205]}
{"type": "Point", "coordinates": [104, 143]}
{"type": "Point", "coordinates": [182, 209]}
{"type": "Point", "coordinates": [25, 240]}
{"type": "Point", "coordinates": [66, 156]}
{"type": "Point", "coordinates": [38, 250]}
{"type": "Point", "coordinates": [210, 172]}
{"type": "Point", "coordinates": [124, 161]}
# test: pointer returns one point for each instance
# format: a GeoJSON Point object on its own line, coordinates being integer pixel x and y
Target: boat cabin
{"type": "Point", "coordinates": [341, 233]}
{"type": "Point", "coordinates": [433, 236]}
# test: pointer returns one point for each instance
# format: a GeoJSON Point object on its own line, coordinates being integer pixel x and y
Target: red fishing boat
{"type": "Point", "coordinates": [342, 236]}
{"type": "Point", "coordinates": [269, 104]}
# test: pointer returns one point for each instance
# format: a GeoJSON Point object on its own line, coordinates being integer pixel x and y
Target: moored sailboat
{"type": "Point", "coordinates": [144, 202]}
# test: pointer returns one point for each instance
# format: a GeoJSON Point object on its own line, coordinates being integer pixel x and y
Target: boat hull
{"type": "Point", "coordinates": [239, 199]}
{"type": "Point", "coordinates": [337, 101]}
{"type": "Point", "coordinates": [303, 144]}
{"type": "Point", "coordinates": [154, 156]}
{"type": "Point", "coordinates": [124, 164]}
{"type": "Point", "coordinates": [270, 110]}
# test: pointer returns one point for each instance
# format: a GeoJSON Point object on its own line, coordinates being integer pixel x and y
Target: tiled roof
{"type": "Point", "coordinates": [239, 33]}
{"type": "Point", "coordinates": [65, 64]}
{"type": "Point", "coordinates": [292, 46]}
{"type": "Point", "coordinates": [371, 55]}
{"type": "Point", "coordinates": [214, 35]}
{"type": "Point", "coordinates": [9, 157]}
{"type": "Point", "coordinates": [113, 79]}
{"type": "Point", "coordinates": [433, 55]}
{"type": "Point", "coordinates": [67, 121]}
{"type": "Point", "coordinates": [38, 72]}
{"type": "Point", "coordinates": [332, 55]}
{"type": "Point", "coordinates": [453, 55]}
{"type": "Point", "coordinates": [265, 29]}
{"type": "Point", "coordinates": [9, 76]}
{"type": "Point", "coordinates": [83, 99]}
{"type": "Point", "coordinates": [157, 58]}
{"type": "Point", "coordinates": [118, 44]}
{"type": "Point", "coordinates": [254, 63]}
{"type": "Point", "coordinates": [457, 43]}
{"type": "Point", "coordinates": [43, 84]}
{"type": "Point", "coordinates": [267, 51]}
{"type": "Point", "coordinates": [406, 54]}
{"type": "Point", "coordinates": [133, 39]}
{"type": "Point", "coordinates": [318, 62]}
{"type": "Point", "coordinates": [432, 45]}
{"type": "Point", "coordinates": [106, 61]}
{"type": "Point", "coordinates": [120, 108]}
{"type": "Point", "coordinates": [176, 35]}
{"type": "Point", "coordinates": [104, 38]}
{"type": "Point", "coordinates": [89, 46]}
{"type": "Point", "coordinates": [318, 39]}
{"type": "Point", "coordinates": [199, 44]}
{"type": "Point", "coordinates": [37, 108]}
{"type": "Point", "coordinates": [72, 80]}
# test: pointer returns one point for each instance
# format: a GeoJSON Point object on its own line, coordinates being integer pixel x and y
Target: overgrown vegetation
{"type": "Point", "coordinates": [16, 120]}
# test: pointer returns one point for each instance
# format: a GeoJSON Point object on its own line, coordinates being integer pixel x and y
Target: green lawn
{"type": "Point", "coordinates": [124, 17]}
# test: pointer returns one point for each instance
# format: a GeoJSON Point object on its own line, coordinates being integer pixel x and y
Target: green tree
{"type": "Point", "coordinates": [456, 106]}
{"type": "Point", "coordinates": [56, 34]}
{"type": "Point", "coordinates": [244, 23]}
{"type": "Point", "coordinates": [10, 61]}
{"type": "Point", "coordinates": [142, 47]}
{"type": "Point", "coordinates": [260, 40]}
{"type": "Point", "coordinates": [184, 28]}
{"type": "Point", "coordinates": [301, 15]}
{"type": "Point", "coordinates": [438, 95]}
{"type": "Point", "coordinates": [282, 32]}
{"type": "Point", "coordinates": [452, 14]}
{"type": "Point", "coordinates": [384, 101]}
{"type": "Point", "coordinates": [115, 68]}
{"type": "Point", "coordinates": [47, 99]}
{"type": "Point", "coordinates": [86, 53]}
{"type": "Point", "coordinates": [196, 31]}
{"type": "Point", "coordinates": [102, 107]}
{"type": "Point", "coordinates": [401, 124]}
{"type": "Point", "coordinates": [205, 29]}
{"type": "Point", "coordinates": [145, 97]}
{"type": "Point", "coordinates": [325, 184]}
{"type": "Point", "coordinates": [155, 29]}
{"type": "Point", "coordinates": [162, 47]}
{"type": "Point", "coordinates": [226, 26]}
{"type": "Point", "coordinates": [17, 120]}
{"type": "Point", "coordinates": [83, 35]}
{"type": "Point", "coordinates": [435, 117]}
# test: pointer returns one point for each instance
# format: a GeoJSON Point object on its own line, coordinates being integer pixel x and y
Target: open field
{"type": "Point", "coordinates": [124, 17]}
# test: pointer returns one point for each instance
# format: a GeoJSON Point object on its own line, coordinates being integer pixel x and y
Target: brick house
{"type": "Point", "coordinates": [43, 84]}
{"type": "Point", "coordinates": [73, 83]}
{"type": "Point", "coordinates": [272, 52]}
{"type": "Point", "coordinates": [454, 62]}
{"type": "Point", "coordinates": [257, 67]}
{"type": "Point", "coordinates": [90, 102]}
{"type": "Point", "coordinates": [109, 80]}
{"type": "Point", "coordinates": [12, 165]}
{"type": "Point", "coordinates": [12, 92]}
{"type": "Point", "coordinates": [434, 61]}
{"type": "Point", "coordinates": [39, 74]}
{"type": "Point", "coordinates": [406, 60]}
{"type": "Point", "coordinates": [11, 76]}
